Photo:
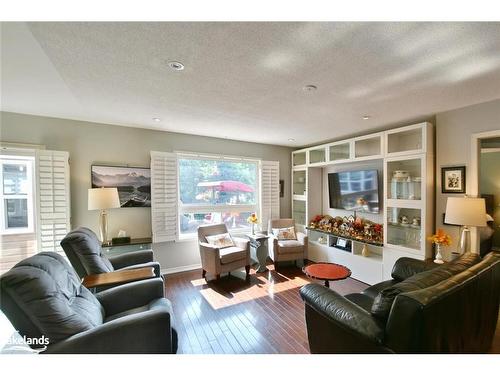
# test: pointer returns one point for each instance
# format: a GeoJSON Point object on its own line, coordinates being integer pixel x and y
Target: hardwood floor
{"type": "Point", "coordinates": [232, 316]}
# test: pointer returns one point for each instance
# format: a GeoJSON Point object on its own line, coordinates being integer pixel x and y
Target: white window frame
{"type": "Point", "coordinates": [30, 163]}
{"type": "Point", "coordinates": [195, 208]}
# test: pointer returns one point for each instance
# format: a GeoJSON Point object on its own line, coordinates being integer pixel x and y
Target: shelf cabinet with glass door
{"type": "Point", "coordinates": [299, 158]}
{"type": "Point", "coordinates": [317, 155]}
{"type": "Point", "coordinates": [340, 151]}
{"type": "Point", "coordinates": [404, 179]}
{"type": "Point", "coordinates": [404, 228]}
{"type": "Point", "coordinates": [299, 182]}
{"type": "Point", "coordinates": [299, 213]}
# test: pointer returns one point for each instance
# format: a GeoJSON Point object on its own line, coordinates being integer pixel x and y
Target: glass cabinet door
{"type": "Point", "coordinates": [299, 212]}
{"type": "Point", "coordinates": [317, 156]}
{"type": "Point", "coordinates": [404, 179]}
{"type": "Point", "coordinates": [299, 158]}
{"type": "Point", "coordinates": [299, 182]}
{"type": "Point", "coordinates": [341, 151]}
{"type": "Point", "coordinates": [406, 140]}
{"type": "Point", "coordinates": [368, 147]}
{"type": "Point", "coordinates": [404, 227]}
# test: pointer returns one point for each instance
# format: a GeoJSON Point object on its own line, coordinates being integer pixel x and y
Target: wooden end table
{"type": "Point", "coordinates": [258, 246]}
{"type": "Point", "coordinates": [118, 277]}
{"type": "Point", "coordinates": [327, 272]}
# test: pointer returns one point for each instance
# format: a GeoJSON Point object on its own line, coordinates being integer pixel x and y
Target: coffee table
{"type": "Point", "coordinates": [327, 272]}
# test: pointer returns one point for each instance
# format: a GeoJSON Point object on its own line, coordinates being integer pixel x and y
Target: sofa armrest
{"type": "Point", "coordinates": [337, 325]}
{"type": "Point", "coordinates": [407, 267]}
{"type": "Point", "coordinates": [129, 259]}
{"type": "Point", "coordinates": [147, 332]}
{"type": "Point", "coordinates": [131, 295]}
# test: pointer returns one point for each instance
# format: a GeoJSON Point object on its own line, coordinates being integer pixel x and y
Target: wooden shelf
{"type": "Point", "coordinates": [380, 244]}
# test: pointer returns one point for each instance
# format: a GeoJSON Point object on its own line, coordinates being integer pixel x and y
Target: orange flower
{"type": "Point", "coordinates": [441, 238]}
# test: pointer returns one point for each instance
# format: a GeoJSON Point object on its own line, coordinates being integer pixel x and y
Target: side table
{"type": "Point", "coordinates": [258, 250]}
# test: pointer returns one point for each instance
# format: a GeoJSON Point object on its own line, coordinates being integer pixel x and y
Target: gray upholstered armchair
{"type": "Point", "coordinates": [42, 296]}
{"type": "Point", "coordinates": [217, 260]}
{"type": "Point", "coordinates": [283, 250]}
{"type": "Point", "coordinates": [84, 251]}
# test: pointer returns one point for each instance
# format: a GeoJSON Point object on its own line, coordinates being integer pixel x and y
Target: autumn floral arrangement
{"type": "Point", "coordinates": [355, 227]}
{"type": "Point", "coordinates": [440, 238]}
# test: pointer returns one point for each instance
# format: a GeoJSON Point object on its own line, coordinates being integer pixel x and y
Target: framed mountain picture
{"type": "Point", "coordinates": [133, 183]}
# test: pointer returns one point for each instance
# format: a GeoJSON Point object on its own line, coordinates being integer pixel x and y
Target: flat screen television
{"type": "Point", "coordinates": [354, 190]}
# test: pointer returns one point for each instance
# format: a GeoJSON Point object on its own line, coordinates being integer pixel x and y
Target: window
{"type": "Point", "coordinates": [216, 190]}
{"type": "Point", "coordinates": [16, 176]}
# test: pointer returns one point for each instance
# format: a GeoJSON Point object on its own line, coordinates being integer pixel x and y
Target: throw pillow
{"type": "Point", "coordinates": [220, 240]}
{"type": "Point", "coordinates": [284, 233]}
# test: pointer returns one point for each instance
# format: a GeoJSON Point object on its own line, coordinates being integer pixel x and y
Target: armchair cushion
{"type": "Point", "coordinates": [156, 304]}
{"type": "Point", "coordinates": [283, 234]}
{"type": "Point", "coordinates": [45, 290]}
{"type": "Point", "coordinates": [232, 254]}
{"type": "Point", "coordinates": [221, 240]}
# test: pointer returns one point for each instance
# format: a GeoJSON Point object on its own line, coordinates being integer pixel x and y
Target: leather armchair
{"type": "Point", "coordinates": [424, 308]}
{"type": "Point", "coordinates": [286, 250]}
{"type": "Point", "coordinates": [43, 296]}
{"type": "Point", "coordinates": [216, 260]}
{"type": "Point", "coordinates": [84, 251]}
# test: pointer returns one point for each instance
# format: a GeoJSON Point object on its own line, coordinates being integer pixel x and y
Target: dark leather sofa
{"type": "Point", "coordinates": [84, 251]}
{"type": "Point", "coordinates": [43, 297]}
{"type": "Point", "coordinates": [424, 308]}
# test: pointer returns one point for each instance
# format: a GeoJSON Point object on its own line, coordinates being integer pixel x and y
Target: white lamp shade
{"type": "Point", "coordinates": [466, 211]}
{"type": "Point", "coordinates": [102, 198]}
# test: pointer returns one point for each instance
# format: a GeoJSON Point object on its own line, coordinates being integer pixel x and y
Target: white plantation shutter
{"type": "Point", "coordinates": [164, 196]}
{"type": "Point", "coordinates": [270, 191]}
{"type": "Point", "coordinates": [53, 199]}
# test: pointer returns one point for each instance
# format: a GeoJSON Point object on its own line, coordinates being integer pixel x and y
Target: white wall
{"type": "Point", "coordinates": [90, 143]}
{"type": "Point", "coordinates": [454, 130]}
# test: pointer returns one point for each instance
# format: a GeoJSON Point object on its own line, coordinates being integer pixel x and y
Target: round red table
{"type": "Point", "coordinates": [327, 272]}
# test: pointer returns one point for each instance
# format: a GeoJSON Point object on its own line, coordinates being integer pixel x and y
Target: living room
{"type": "Point", "coordinates": [250, 187]}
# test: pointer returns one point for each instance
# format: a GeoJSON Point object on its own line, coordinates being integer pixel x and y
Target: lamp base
{"type": "Point", "coordinates": [103, 227]}
{"type": "Point", "coordinates": [464, 244]}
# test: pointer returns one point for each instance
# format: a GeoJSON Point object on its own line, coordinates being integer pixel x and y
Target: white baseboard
{"type": "Point", "coordinates": [190, 267]}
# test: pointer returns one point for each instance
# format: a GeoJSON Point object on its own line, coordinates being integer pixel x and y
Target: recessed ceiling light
{"type": "Point", "coordinates": [366, 117]}
{"type": "Point", "coordinates": [291, 139]}
{"type": "Point", "coordinates": [156, 119]}
{"type": "Point", "coordinates": [176, 65]}
{"type": "Point", "coordinates": [310, 88]}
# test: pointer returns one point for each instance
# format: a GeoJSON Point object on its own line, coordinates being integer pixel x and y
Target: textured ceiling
{"type": "Point", "coordinates": [244, 80]}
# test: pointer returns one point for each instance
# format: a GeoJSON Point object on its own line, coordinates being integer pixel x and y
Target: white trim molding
{"type": "Point", "coordinates": [190, 267]}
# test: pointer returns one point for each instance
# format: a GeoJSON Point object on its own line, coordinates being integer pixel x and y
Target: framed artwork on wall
{"type": "Point", "coordinates": [282, 188]}
{"type": "Point", "coordinates": [133, 183]}
{"type": "Point", "coordinates": [453, 180]}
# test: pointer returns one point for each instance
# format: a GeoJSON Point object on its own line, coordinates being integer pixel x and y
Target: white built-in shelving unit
{"type": "Point", "coordinates": [407, 154]}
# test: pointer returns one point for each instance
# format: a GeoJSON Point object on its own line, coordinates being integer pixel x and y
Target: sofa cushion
{"type": "Point", "coordinates": [46, 289]}
{"type": "Point", "coordinates": [362, 300]}
{"type": "Point", "coordinates": [383, 302]}
{"type": "Point", "coordinates": [232, 254]}
{"type": "Point", "coordinates": [374, 290]}
{"type": "Point", "coordinates": [289, 247]}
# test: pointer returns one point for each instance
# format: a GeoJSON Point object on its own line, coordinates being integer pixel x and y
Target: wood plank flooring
{"type": "Point", "coordinates": [232, 316]}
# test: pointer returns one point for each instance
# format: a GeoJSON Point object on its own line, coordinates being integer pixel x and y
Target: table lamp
{"type": "Point", "coordinates": [102, 199]}
{"type": "Point", "coordinates": [467, 212]}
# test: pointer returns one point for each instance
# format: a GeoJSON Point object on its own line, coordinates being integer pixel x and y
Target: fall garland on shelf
{"type": "Point", "coordinates": [356, 228]}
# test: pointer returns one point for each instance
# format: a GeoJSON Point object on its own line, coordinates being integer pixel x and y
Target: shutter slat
{"type": "Point", "coordinates": [52, 199]}
{"type": "Point", "coordinates": [270, 192]}
{"type": "Point", "coordinates": [164, 196]}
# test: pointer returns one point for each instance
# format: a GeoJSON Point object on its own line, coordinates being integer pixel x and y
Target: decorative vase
{"type": "Point", "coordinates": [253, 229]}
{"type": "Point", "coordinates": [439, 257]}
{"type": "Point", "coordinates": [365, 252]}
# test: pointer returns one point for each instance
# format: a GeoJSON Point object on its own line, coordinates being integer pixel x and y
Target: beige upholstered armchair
{"type": "Point", "coordinates": [282, 250]}
{"type": "Point", "coordinates": [216, 260]}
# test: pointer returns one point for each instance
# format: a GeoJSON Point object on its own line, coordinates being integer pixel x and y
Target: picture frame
{"type": "Point", "coordinates": [453, 180]}
{"type": "Point", "coordinates": [282, 188]}
{"type": "Point", "coordinates": [133, 183]}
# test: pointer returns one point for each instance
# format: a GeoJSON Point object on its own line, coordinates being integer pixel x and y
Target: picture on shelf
{"type": "Point", "coordinates": [453, 180]}
{"type": "Point", "coordinates": [133, 183]}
